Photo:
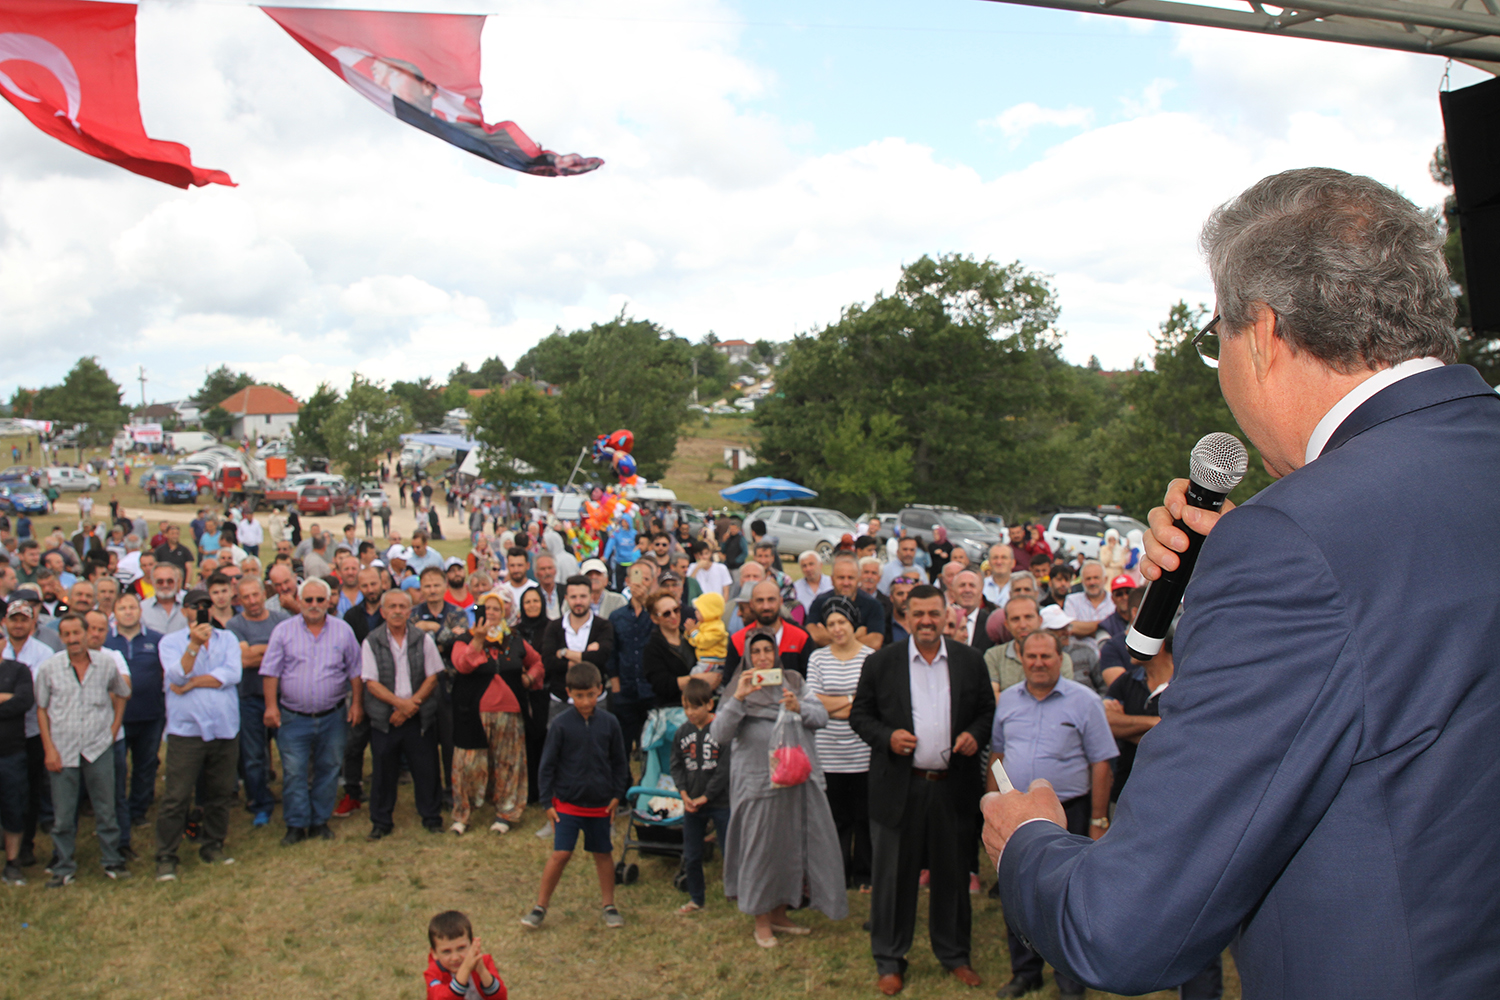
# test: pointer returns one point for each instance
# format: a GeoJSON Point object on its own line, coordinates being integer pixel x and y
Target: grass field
{"type": "Point", "coordinates": [348, 919]}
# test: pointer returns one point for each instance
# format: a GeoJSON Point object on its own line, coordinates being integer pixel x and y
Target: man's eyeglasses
{"type": "Point", "coordinates": [669, 611]}
{"type": "Point", "coordinates": [315, 600]}
{"type": "Point", "coordinates": [1206, 342]}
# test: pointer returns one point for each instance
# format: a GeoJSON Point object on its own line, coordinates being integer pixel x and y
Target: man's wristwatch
{"type": "Point", "coordinates": [1102, 822]}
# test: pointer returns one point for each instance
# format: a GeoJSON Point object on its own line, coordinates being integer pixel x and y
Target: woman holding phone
{"type": "Point", "coordinates": [781, 848]}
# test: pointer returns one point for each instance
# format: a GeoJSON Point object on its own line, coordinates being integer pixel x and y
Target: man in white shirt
{"type": "Point", "coordinates": [997, 585]}
{"type": "Point", "coordinates": [249, 534]}
{"type": "Point", "coordinates": [201, 667]}
{"type": "Point", "coordinates": [813, 581]}
{"type": "Point", "coordinates": [400, 668]}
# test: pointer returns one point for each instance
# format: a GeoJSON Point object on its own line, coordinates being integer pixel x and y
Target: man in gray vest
{"type": "Point", "coordinates": [400, 671]}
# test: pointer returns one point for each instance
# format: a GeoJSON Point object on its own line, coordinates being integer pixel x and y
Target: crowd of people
{"type": "Point", "coordinates": [520, 674]}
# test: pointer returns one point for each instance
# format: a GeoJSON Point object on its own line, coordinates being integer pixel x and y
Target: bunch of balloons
{"type": "Point", "coordinates": [599, 513]}
{"type": "Point", "coordinates": [615, 448]}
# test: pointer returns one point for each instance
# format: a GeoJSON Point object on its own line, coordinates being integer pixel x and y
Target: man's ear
{"type": "Point", "coordinates": [1266, 347]}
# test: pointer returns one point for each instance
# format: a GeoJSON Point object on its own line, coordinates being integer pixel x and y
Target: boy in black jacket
{"type": "Point", "coordinates": [700, 768]}
{"type": "Point", "coordinates": [583, 767]}
{"type": "Point", "coordinates": [15, 699]}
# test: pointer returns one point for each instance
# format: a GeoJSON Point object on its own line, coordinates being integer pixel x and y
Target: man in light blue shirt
{"type": "Point", "coordinates": [1050, 727]}
{"type": "Point", "coordinates": [201, 670]}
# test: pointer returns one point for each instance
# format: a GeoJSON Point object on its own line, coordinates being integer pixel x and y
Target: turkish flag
{"type": "Point", "coordinates": [424, 70]}
{"type": "Point", "coordinates": [70, 68]}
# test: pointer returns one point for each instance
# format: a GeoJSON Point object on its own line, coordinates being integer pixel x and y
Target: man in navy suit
{"type": "Point", "coordinates": [1323, 786]}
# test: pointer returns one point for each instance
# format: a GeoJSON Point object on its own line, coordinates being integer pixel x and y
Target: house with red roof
{"type": "Point", "coordinates": [261, 411]}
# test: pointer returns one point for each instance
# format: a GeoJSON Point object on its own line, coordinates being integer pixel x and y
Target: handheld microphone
{"type": "Point", "coordinates": [1217, 465]}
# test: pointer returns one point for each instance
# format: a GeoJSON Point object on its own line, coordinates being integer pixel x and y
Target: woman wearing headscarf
{"type": "Point", "coordinates": [781, 848]}
{"type": "Point", "coordinates": [1136, 547]}
{"type": "Point", "coordinates": [529, 626]}
{"type": "Point", "coordinates": [1113, 555]}
{"type": "Point", "coordinates": [832, 675]}
{"type": "Point", "coordinates": [496, 670]}
{"type": "Point", "coordinates": [1036, 542]}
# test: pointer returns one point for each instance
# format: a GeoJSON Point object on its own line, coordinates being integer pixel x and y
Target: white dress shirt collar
{"type": "Point", "coordinates": [1357, 396]}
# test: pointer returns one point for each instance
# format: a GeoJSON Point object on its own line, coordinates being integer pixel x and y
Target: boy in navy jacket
{"type": "Point", "coordinates": [583, 767]}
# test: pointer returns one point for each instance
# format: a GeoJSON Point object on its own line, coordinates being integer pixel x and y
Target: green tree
{"type": "Point", "coordinates": [866, 462]}
{"type": "Point", "coordinates": [521, 425]}
{"type": "Point", "coordinates": [423, 400]}
{"type": "Point", "coordinates": [87, 397]}
{"type": "Point", "coordinates": [360, 428]}
{"type": "Point", "coordinates": [22, 402]}
{"type": "Point", "coordinates": [963, 354]}
{"type": "Point", "coordinates": [1167, 409]}
{"type": "Point", "coordinates": [556, 358]}
{"type": "Point", "coordinates": [489, 373]}
{"type": "Point", "coordinates": [308, 438]}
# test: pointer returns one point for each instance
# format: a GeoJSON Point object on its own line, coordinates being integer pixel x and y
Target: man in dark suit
{"type": "Point", "coordinates": [925, 707]}
{"type": "Point", "coordinates": [1321, 787]}
{"type": "Point", "coordinates": [580, 636]}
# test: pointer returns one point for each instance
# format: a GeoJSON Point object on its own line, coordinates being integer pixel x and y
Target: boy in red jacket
{"type": "Point", "coordinates": [456, 968]}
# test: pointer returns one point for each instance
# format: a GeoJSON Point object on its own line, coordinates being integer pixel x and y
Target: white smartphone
{"type": "Point", "coordinates": [1002, 780]}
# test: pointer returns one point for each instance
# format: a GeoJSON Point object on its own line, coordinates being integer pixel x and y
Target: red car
{"type": "Point", "coordinates": [321, 500]}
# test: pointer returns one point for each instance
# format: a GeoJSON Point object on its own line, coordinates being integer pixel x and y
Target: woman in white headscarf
{"type": "Point", "coordinates": [1113, 555]}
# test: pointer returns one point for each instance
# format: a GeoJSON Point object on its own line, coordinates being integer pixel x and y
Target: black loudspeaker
{"type": "Point", "coordinates": [1471, 119]}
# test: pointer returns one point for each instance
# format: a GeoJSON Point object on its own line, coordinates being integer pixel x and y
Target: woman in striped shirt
{"type": "Point", "coordinates": [832, 675]}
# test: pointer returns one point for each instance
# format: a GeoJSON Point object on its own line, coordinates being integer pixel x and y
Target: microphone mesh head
{"type": "Point", "coordinates": [1219, 462]}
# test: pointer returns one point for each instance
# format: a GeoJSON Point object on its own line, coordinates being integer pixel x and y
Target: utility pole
{"type": "Point", "coordinates": [141, 378]}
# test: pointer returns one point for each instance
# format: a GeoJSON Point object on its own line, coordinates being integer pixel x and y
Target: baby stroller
{"type": "Point", "coordinates": [655, 825]}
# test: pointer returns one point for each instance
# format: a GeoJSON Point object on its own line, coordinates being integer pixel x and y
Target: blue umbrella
{"type": "Point", "coordinates": [765, 488]}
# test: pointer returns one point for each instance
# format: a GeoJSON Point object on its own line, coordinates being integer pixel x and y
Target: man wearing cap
{"type": "Point", "coordinates": [310, 664]}
{"type": "Point", "coordinates": [398, 560]}
{"type": "Point", "coordinates": [202, 669]}
{"type": "Point", "coordinates": [1114, 654]}
{"type": "Point", "coordinates": [1118, 622]}
{"type": "Point", "coordinates": [22, 646]}
{"type": "Point", "coordinates": [1004, 662]}
{"type": "Point", "coordinates": [455, 572]}
{"type": "Point", "coordinates": [162, 613]}
{"type": "Point", "coordinates": [1084, 657]}
{"type": "Point", "coordinates": [80, 698]}
{"type": "Point", "coordinates": [1051, 728]}
{"type": "Point", "coordinates": [845, 583]}
{"type": "Point", "coordinates": [602, 601]}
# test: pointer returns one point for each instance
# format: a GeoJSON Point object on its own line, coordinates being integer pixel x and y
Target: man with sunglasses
{"type": "Point", "coordinates": [311, 667]}
{"type": "Point", "coordinates": [1320, 788]}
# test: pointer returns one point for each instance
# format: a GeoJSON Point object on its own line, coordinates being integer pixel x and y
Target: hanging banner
{"type": "Point", "coordinates": [424, 70]}
{"type": "Point", "coordinates": [70, 68]}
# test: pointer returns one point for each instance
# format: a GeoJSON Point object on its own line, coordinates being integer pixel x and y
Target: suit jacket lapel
{"type": "Point", "coordinates": [1415, 392]}
{"type": "Point", "coordinates": [902, 679]}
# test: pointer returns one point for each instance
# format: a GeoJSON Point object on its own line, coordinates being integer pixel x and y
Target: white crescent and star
{"type": "Point", "coordinates": [30, 48]}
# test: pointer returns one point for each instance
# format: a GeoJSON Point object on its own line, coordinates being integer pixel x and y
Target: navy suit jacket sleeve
{"type": "Point", "coordinates": [1259, 729]}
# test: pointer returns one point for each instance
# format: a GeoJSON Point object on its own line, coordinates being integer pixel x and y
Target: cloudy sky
{"type": "Point", "coordinates": [767, 163]}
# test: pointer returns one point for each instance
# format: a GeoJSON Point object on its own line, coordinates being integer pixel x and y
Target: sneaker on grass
{"type": "Point", "coordinates": [59, 881]}
{"type": "Point", "coordinates": [535, 917]}
{"type": "Point", "coordinates": [166, 871]}
{"type": "Point", "coordinates": [13, 874]}
{"type": "Point", "coordinates": [213, 854]}
{"type": "Point", "coordinates": [117, 872]}
{"type": "Point", "coordinates": [613, 919]}
{"type": "Point", "coordinates": [346, 807]}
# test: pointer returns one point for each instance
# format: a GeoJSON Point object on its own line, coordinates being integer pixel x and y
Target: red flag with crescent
{"type": "Point", "coordinates": [70, 68]}
{"type": "Point", "coordinates": [424, 70]}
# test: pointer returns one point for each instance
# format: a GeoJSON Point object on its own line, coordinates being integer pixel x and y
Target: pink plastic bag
{"type": "Point", "coordinates": [789, 763]}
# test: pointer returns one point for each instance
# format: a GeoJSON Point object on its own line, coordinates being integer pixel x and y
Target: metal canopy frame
{"type": "Point", "coordinates": [1467, 30]}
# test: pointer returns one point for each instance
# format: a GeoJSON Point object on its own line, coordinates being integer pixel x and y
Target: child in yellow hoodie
{"type": "Point", "coordinates": [710, 638]}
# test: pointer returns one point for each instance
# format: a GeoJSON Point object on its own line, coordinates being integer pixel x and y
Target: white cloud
{"type": "Point", "coordinates": [358, 243]}
{"type": "Point", "coordinates": [1017, 121]}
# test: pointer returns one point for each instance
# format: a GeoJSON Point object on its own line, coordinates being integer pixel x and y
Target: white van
{"type": "Point", "coordinates": [182, 442]}
{"type": "Point", "coordinates": [66, 478]}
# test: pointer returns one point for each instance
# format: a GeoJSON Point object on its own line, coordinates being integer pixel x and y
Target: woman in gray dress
{"type": "Point", "coordinates": [781, 845]}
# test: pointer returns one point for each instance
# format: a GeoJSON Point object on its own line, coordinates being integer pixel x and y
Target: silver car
{"type": "Point", "coordinates": [801, 528]}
